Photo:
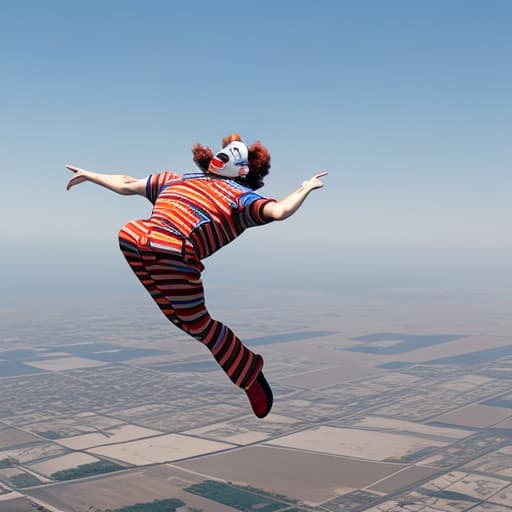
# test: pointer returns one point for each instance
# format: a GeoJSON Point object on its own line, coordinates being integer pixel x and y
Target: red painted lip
{"type": "Point", "coordinates": [216, 163]}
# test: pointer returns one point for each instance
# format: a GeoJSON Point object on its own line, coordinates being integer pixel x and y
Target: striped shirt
{"type": "Point", "coordinates": [210, 212]}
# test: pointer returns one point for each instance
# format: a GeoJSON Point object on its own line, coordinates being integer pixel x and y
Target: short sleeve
{"type": "Point", "coordinates": [155, 183]}
{"type": "Point", "coordinates": [250, 206]}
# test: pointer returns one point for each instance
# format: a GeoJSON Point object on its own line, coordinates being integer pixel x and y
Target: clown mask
{"type": "Point", "coordinates": [231, 161]}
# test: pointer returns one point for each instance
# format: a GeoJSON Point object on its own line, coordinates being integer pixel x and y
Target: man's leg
{"type": "Point", "coordinates": [177, 289]}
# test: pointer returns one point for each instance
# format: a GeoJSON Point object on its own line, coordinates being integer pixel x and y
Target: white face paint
{"type": "Point", "coordinates": [231, 161]}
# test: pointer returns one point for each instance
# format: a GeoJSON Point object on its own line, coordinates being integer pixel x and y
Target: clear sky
{"type": "Point", "coordinates": [407, 104]}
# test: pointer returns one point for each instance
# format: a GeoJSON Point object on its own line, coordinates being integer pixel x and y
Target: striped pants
{"type": "Point", "coordinates": [169, 270]}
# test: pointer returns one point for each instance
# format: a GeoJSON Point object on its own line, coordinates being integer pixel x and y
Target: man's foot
{"type": "Point", "coordinates": [260, 396]}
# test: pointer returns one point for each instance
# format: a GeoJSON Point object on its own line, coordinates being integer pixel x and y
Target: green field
{"type": "Point", "coordinates": [94, 468]}
{"type": "Point", "coordinates": [242, 498]}
{"type": "Point", "coordinates": [169, 505]}
{"type": "Point", "coordinates": [24, 480]}
{"type": "Point", "coordinates": [8, 462]}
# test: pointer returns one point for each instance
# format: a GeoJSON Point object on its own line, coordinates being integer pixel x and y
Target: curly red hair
{"type": "Point", "coordinates": [259, 160]}
{"type": "Point", "coordinates": [202, 156]}
{"type": "Point", "coordinates": [259, 165]}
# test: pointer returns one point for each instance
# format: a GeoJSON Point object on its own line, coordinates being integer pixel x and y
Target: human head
{"type": "Point", "coordinates": [232, 161]}
{"type": "Point", "coordinates": [258, 160]}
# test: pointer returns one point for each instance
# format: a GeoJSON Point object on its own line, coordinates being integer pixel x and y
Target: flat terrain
{"type": "Point", "coordinates": [10, 437]}
{"type": "Point", "coordinates": [118, 434]}
{"type": "Point", "coordinates": [164, 448]}
{"type": "Point", "coordinates": [362, 444]}
{"type": "Point", "coordinates": [396, 401]}
{"type": "Point", "coordinates": [408, 427]}
{"type": "Point", "coordinates": [71, 460]}
{"type": "Point", "coordinates": [117, 490]}
{"type": "Point", "coordinates": [269, 468]}
{"type": "Point", "coordinates": [476, 415]}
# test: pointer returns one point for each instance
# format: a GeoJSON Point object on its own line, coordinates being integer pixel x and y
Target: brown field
{"type": "Point", "coordinates": [10, 437]}
{"type": "Point", "coordinates": [361, 444]}
{"type": "Point", "coordinates": [315, 477]}
{"type": "Point", "coordinates": [118, 434]}
{"type": "Point", "coordinates": [248, 431]}
{"type": "Point", "coordinates": [399, 480]}
{"type": "Point", "coordinates": [71, 460]}
{"type": "Point", "coordinates": [159, 449]}
{"type": "Point", "coordinates": [65, 363]}
{"type": "Point", "coordinates": [127, 488]}
{"type": "Point", "coordinates": [33, 453]}
{"type": "Point", "coordinates": [410, 427]}
{"type": "Point", "coordinates": [16, 503]}
{"type": "Point", "coordinates": [477, 415]}
{"type": "Point", "coordinates": [325, 377]}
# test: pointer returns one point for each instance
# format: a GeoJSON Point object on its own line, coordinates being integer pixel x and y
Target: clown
{"type": "Point", "coordinates": [193, 216]}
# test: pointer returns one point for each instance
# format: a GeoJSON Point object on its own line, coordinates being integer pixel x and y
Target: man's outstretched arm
{"type": "Point", "coordinates": [119, 183]}
{"type": "Point", "coordinates": [282, 209]}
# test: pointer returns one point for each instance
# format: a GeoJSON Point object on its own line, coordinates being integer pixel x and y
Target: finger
{"type": "Point", "coordinates": [75, 181]}
{"type": "Point", "coordinates": [325, 173]}
{"type": "Point", "coordinates": [70, 184]}
{"type": "Point", "coordinates": [72, 168]}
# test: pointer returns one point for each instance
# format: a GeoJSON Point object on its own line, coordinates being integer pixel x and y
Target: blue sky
{"type": "Point", "coordinates": [406, 104]}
